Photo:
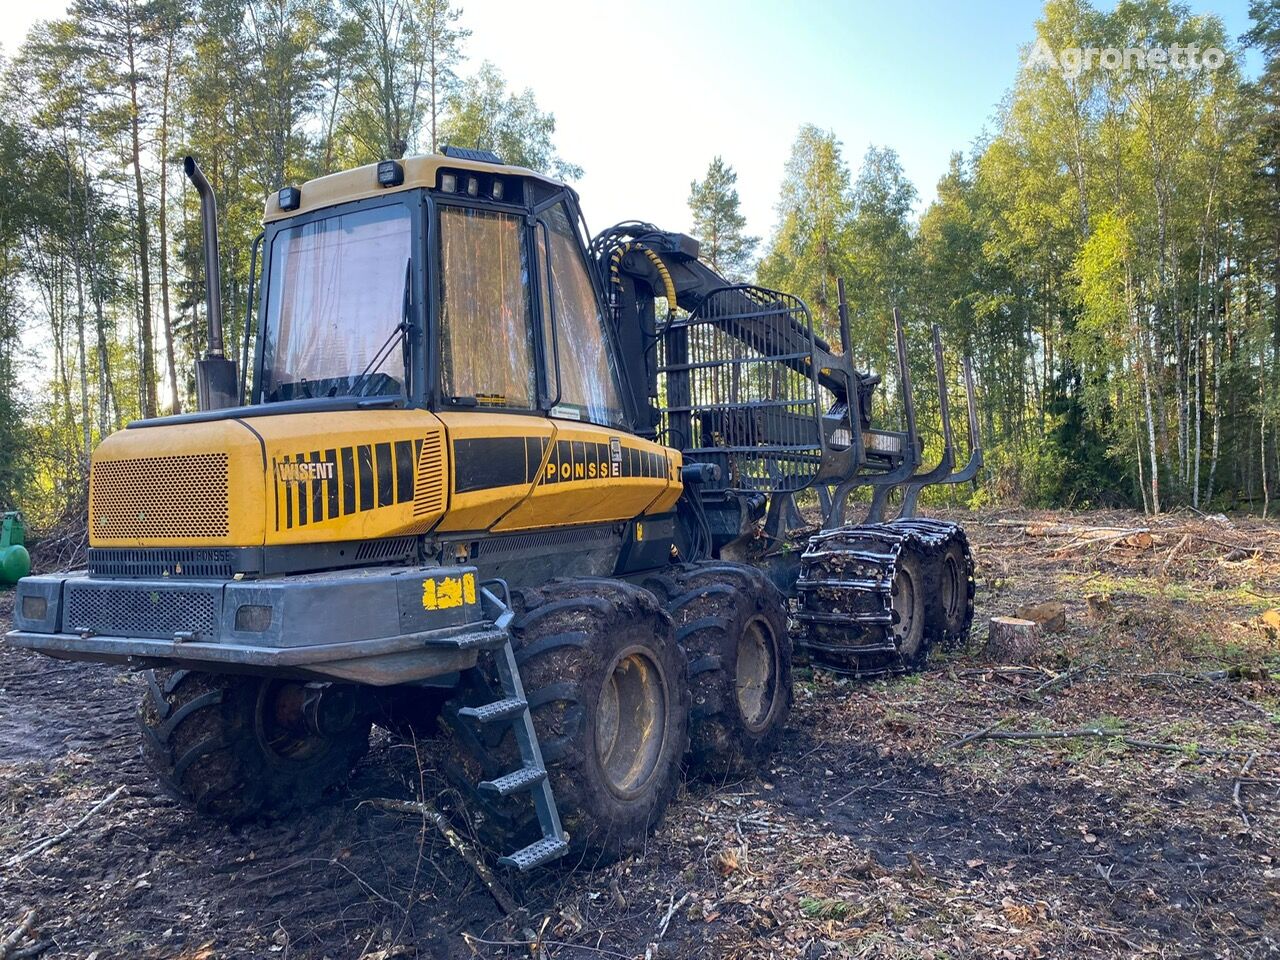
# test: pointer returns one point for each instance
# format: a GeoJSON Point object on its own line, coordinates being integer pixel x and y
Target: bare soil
{"type": "Point", "coordinates": [872, 833]}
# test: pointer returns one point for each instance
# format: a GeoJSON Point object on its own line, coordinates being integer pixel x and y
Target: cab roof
{"type": "Point", "coordinates": [361, 183]}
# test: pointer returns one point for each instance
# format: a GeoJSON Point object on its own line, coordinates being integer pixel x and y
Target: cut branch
{"type": "Point", "coordinates": [425, 810]}
{"type": "Point", "coordinates": [44, 845]}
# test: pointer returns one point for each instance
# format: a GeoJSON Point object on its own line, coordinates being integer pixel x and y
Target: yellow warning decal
{"type": "Point", "coordinates": [445, 593]}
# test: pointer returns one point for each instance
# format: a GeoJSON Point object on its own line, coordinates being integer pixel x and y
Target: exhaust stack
{"type": "Point", "coordinates": [217, 378]}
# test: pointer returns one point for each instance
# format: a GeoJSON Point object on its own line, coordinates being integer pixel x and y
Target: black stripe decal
{"type": "Point", "coordinates": [317, 492]}
{"type": "Point", "coordinates": [364, 456]}
{"type": "Point", "coordinates": [386, 475]}
{"type": "Point", "coordinates": [331, 484]}
{"type": "Point", "coordinates": [288, 501]}
{"type": "Point", "coordinates": [481, 463]}
{"type": "Point", "coordinates": [348, 481]}
{"type": "Point", "coordinates": [405, 464]}
{"type": "Point", "coordinates": [302, 495]}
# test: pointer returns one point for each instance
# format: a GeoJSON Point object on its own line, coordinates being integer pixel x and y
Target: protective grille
{"type": "Point", "coordinates": [428, 495]}
{"type": "Point", "coordinates": [140, 611]}
{"type": "Point", "coordinates": [739, 388]}
{"type": "Point", "coordinates": [156, 497]}
{"type": "Point", "coordinates": [191, 564]}
{"type": "Point", "coordinates": [396, 548]}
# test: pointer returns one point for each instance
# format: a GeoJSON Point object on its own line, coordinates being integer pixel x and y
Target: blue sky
{"type": "Point", "coordinates": [644, 100]}
{"type": "Point", "coordinates": [646, 94]}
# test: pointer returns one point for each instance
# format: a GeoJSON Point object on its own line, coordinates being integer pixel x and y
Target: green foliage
{"type": "Point", "coordinates": [485, 115]}
{"type": "Point", "coordinates": [810, 249]}
{"type": "Point", "coordinates": [718, 223]}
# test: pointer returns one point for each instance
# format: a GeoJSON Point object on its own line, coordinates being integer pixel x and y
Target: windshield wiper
{"type": "Point", "coordinates": [399, 336]}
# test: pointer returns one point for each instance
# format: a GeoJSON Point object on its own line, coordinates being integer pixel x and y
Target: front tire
{"type": "Point", "coordinates": [224, 744]}
{"type": "Point", "coordinates": [607, 687]}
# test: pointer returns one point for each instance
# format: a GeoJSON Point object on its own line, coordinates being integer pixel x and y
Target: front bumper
{"type": "Point", "coordinates": [379, 627]}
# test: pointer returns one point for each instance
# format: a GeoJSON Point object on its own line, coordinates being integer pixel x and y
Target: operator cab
{"type": "Point", "coordinates": [447, 281]}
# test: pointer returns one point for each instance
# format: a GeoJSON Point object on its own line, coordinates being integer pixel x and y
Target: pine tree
{"type": "Point", "coordinates": [718, 223]}
{"type": "Point", "coordinates": [808, 252]}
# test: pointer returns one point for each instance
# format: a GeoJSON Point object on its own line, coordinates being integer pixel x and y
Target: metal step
{"type": "Point", "coordinates": [860, 585]}
{"type": "Point", "coordinates": [845, 619]}
{"type": "Point", "coordinates": [535, 854]}
{"type": "Point", "coordinates": [490, 639]}
{"type": "Point", "coordinates": [859, 556]}
{"type": "Point", "coordinates": [495, 712]}
{"type": "Point", "coordinates": [852, 650]}
{"type": "Point", "coordinates": [523, 779]}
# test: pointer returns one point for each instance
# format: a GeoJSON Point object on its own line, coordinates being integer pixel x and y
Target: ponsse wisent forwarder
{"type": "Point", "coordinates": [475, 481]}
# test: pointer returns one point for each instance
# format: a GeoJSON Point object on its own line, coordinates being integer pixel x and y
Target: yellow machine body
{"type": "Point", "coordinates": [328, 477]}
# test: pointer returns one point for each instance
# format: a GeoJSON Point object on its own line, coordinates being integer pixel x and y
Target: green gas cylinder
{"type": "Point", "coordinates": [15, 562]}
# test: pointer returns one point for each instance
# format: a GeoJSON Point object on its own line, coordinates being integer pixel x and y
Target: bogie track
{"type": "Point", "coordinates": [870, 597]}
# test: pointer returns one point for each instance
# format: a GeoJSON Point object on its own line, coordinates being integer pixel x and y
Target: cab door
{"type": "Point", "coordinates": [596, 470]}
{"type": "Point", "coordinates": [498, 436]}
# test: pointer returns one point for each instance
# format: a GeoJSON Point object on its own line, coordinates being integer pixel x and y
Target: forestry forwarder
{"type": "Point", "coordinates": [474, 480]}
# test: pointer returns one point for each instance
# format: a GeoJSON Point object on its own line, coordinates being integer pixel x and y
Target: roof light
{"type": "Point", "coordinates": [448, 183]}
{"type": "Point", "coordinates": [473, 187]}
{"type": "Point", "coordinates": [390, 173]}
{"type": "Point", "coordinates": [497, 190]}
{"type": "Point", "coordinates": [290, 198]}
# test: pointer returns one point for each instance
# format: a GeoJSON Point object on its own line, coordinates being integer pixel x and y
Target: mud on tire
{"type": "Point", "coordinates": [732, 622]}
{"type": "Point", "coordinates": [599, 665]}
{"type": "Point", "coordinates": [216, 745]}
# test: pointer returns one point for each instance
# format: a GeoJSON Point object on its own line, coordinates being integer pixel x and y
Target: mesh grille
{"type": "Point", "coordinates": [139, 611]}
{"type": "Point", "coordinates": [739, 390]}
{"type": "Point", "coordinates": [396, 548]}
{"type": "Point", "coordinates": [428, 495]}
{"type": "Point", "coordinates": [190, 564]}
{"type": "Point", "coordinates": [180, 496]}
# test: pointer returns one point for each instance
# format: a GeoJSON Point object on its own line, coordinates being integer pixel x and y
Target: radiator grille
{"type": "Point", "coordinates": [396, 548]}
{"type": "Point", "coordinates": [157, 497]}
{"type": "Point", "coordinates": [428, 495]}
{"type": "Point", "coordinates": [190, 564]}
{"type": "Point", "coordinates": [140, 612]}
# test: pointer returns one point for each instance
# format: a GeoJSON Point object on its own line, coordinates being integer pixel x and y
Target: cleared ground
{"type": "Point", "coordinates": [875, 833]}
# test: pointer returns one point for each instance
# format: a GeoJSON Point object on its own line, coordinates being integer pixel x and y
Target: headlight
{"type": "Point", "coordinates": [34, 607]}
{"type": "Point", "coordinates": [253, 618]}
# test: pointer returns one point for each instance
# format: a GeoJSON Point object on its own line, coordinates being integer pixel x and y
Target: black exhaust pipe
{"type": "Point", "coordinates": [217, 377]}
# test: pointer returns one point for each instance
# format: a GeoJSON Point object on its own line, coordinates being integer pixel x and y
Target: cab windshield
{"type": "Point", "coordinates": [336, 306]}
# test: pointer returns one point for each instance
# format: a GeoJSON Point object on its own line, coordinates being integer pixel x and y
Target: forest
{"type": "Point", "coordinates": [1107, 251]}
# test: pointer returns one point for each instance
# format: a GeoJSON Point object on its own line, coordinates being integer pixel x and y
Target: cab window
{"type": "Point", "coordinates": [485, 316]}
{"type": "Point", "coordinates": [588, 376]}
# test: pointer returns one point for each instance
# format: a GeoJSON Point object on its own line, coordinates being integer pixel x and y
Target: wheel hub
{"type": "Point", "coordinates": [631, 722]}
{"type": "Point", "coordinates": [756, 680]}
{"type": "Point", "coordinates": [904, 603]}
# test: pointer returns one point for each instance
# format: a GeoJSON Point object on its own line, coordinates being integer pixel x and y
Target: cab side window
{"type": "Point", "coordinates": [486, 335]}
{"type": "Point", "coordinates": [588, 375]}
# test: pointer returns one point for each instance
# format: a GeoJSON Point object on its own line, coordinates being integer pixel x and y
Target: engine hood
{"type": "Point", "coordinates": [294, 478]}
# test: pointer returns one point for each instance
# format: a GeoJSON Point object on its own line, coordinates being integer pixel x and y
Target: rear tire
{"type": "Point", "coordinates": [955, 592]}
{"type": "Point", "coordinates": [908, 600]}
{"type": "Point", "coordinates": [217, 743]}
{"type": "Point", "coordinates": [732, 622]}
{"type": "Point", "coordinates": [607, 688]}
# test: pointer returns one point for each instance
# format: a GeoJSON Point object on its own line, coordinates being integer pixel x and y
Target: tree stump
{"type": "Point", "coordinates": [1012, 640]}
{"type": "Point", "coordinates": [1050, 615]}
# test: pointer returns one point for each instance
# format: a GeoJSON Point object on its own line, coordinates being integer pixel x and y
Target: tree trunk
{"type": "Point", "coordinates": [169, 354]}
{"type": "Point", "coordinates": [148, 364]}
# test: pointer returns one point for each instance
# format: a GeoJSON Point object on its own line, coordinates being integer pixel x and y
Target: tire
{"type": "Point", "coordinates": [956, 590]}
{"type": "Point", "coordinates": [732, 623]}
{"type": "Point", "coordinates": [217, 744]}
{"type": "Point", "coordinates": [908, 600]}
{"type": "Point", "coordinates": [590, 652]}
